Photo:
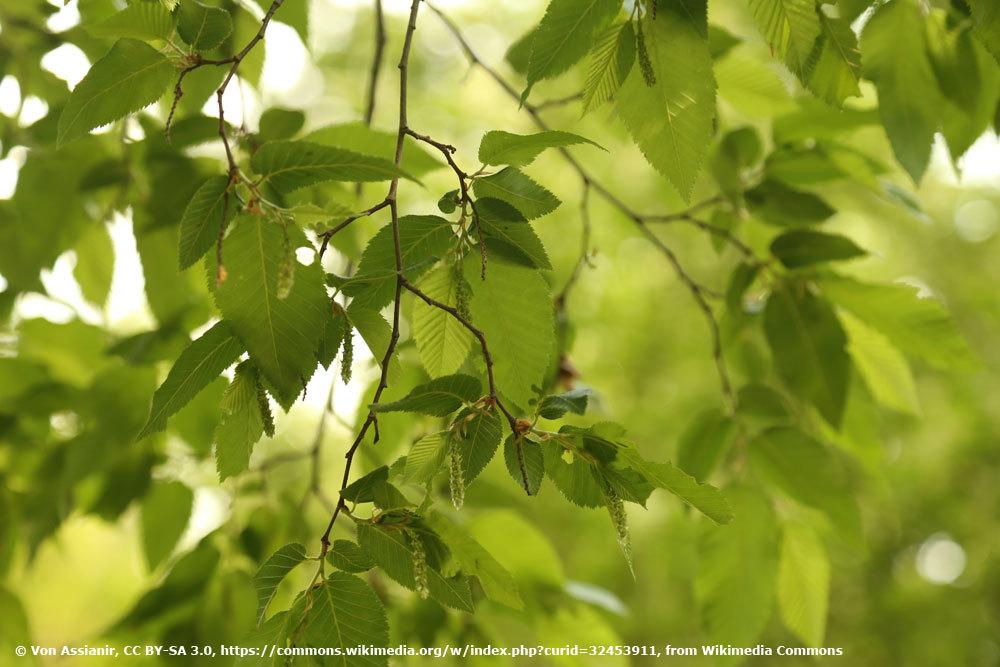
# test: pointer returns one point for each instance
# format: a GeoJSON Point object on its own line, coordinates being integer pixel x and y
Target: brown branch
{"type": "Point", "coordinates": [709, 228]}
{"type": "Point", "coordinates": [237, 60]}
{"type": "Point", "coordinates": [517, 428]}
{"type": "Point", "coordinates": [480, 336]}
{"type": "Point", "coordinates": [465, 199]}
{"type": "Point", "coordinates": [699, 292]}
{"type": "Point", "coordinates": [328, 234]}
{"type": "Point", "coordinates": [558, 102]}
{"type": "Point", "coordinates": [380, 40]}
{"type": "Point", "coordinates": [391, 198]}
{"type": "Point", "coordinates": [234, 63]}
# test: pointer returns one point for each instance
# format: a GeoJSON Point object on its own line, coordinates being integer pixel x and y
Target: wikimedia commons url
{"type": "Point", "coordinates": [403, 650]}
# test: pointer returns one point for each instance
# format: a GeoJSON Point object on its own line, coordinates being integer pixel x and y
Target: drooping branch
{"type": "Point", "coordinates": [391, 199]}
{"type": "Point", "coordinates": [699, 292]}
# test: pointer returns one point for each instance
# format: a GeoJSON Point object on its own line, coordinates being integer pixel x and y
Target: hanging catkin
{"type": "Point", "coordinates": [457, 475]}
{"type": "Point", "coordinates": [419, 563]}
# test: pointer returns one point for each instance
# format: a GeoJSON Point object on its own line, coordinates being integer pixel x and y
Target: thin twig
{"type": "Point", "coordinates": [558, 102]}
{"type": "Point", "coordinates": [481, 337]}
{"type": "Point", "coordinates": [328, 234]}
{"type": "Point", "coordinates": [380, 40]}
{"type": "Point", "coordinates": [391, 198]}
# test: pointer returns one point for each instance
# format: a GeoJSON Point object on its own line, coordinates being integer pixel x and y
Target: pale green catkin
{"type": "Point", "coordinates": [286, 271]}
{"type": "Point", "coordinates": [645, 64]}
{"type": "Point", "coordinates": [457, 476]}
{"type": "Point", "coordinates": [616, 508]}
{"type": "Point", "coordinates": [463, 292]}
{"type": "Point", "coordinates": [347, 357]}
{"type": "Point", "coordinates": [419, 563]}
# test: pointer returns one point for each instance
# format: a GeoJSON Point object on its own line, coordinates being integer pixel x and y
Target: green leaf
{"type": "Point", "coordinates": [425, 457]}
{"type": "Point", "coordinates": [343, 613]}
{"type": "Point", "coordinates": [790, 27]}
{"type": "Point", "coordinates": [777, 204]}
{"type": "Point", "coordinates": [837, 70]}
{"type": "Point", "coordinates": [422, 240]}
{"type": "Point", "coordinates": [392, 550]}
{"type": "Point", "coordinates": [185, 583]}
{"type": "Point", "coordinates": [203, 219]}
{"type": "Point", "coordinates": [349, 557]}
{"type": "Point", "coordinates": [361, 490]}
{"type": "Point", "coordinates": [761, 402]}
{"type": "Point", "coordinates": [883, 367]}
{"type": "Point", "coordinates": [896, 59]}
{"type": "Point", "coordinates": [273, 572]}
{"type": "Point", "coordinates": [704, 443]}
{"type": "Point", "coordinates": [95, 263]}
{"type": "Point", "coordinates": [512, 186]}
{"type": "Point", "coordinates": [703, 497]}
{"type": "Point", "coordinates": [336, 329]}
{"type": "Point", "coordinates": [477, 441]}
{"type": "Point", "coordinates": [132, 75]}
{"type": "Point", "coordinates": [734, 605]}
{"type": "Point", "coordinates": [968, 78]}
{"type": "Point", "coordinates": [439, 397]}
{"type": "Point", "coordinates": [986, 18]}
{"type": "Point", "coordinates": [202, 27]}
{"type": "Point", "coordinates": [277, 124]}
{"type": "Point", "coordinates": [241, 425]}
{"type": "Point", "coordinates": [611, 58]}
{"type": "Point", "coordinates": [201, 362]}
{"type": "Point", "coordinates": [140, 20]}
{"type": "Point", "coordinates": [808, 472]}
{"type": "Point", "coordinates": [499, 147]}
{"type": "Point", "coordinates": [15, 629]}
{"type": "Point", "coordinates": [444, 342]}
{"type": "Point", "coordinates": [506, 233]}
{"type": "Point", "coordinates": [360, 138]}
{"type": "Point", "coordinates": [573, 476]}
{"type": "Point", "coordinates": [809, 348]}
{"type": "Point", "coordinates": [803, 583]}
{"type": "Point", "coordinates": [564, 36]}
{"type": "Point", "coordinates": [805, 247]}
{"type": "Point", "coordinates": [165, 513]}
{"type": "Point", "coordinates": [557, 405]}
{"type": "Point", "coordinates": [513, 308]}
{"type": "Point", "coordinates": [919, 326]}
{"type": "Point", "coordinates": [291, 165]}
{"type": "Point", "coordinates": [497, 582]}
{"type": "Point", "coordinates": [281, 335]}
{"type": "Point", "coordinates": [672, 120]}
{"type": "Point", "coordinates": [519, 52]}
{"type": "Point", "coordinates": [387, 497]}
{"type": "Point", "coordinates": [534, 463]}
